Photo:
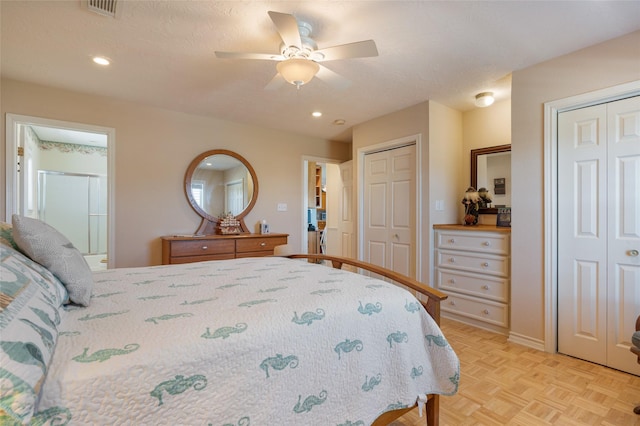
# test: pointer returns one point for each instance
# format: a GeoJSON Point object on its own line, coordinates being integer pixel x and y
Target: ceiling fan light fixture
{"type": "Point", "coordinates": [297, 71]}
{"type": "Point", "coordinates": [484, 99]}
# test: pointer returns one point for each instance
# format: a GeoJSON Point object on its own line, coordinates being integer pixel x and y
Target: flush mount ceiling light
{"type": "Point", "coordinates": [101, 60]}
{"type": "Point", "coordinates": [484, 99]}
{"type": "Point", "coordinates": [316, 114]}
{"type": "Point", "coordinates": [297, 71]}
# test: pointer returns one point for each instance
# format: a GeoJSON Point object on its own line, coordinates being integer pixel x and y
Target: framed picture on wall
{"type": "Point", "coordinates": [504, 217]}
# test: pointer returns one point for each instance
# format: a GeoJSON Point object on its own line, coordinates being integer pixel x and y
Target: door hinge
{"type": "Point", "coordinates": [20, 151]}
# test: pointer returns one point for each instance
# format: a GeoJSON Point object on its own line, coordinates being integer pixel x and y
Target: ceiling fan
{"type": "Point", "coordinates": [299, 57]}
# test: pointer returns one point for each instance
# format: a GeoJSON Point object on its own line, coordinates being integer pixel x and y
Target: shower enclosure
{"type": "Point", "coordinates": [76, 205]}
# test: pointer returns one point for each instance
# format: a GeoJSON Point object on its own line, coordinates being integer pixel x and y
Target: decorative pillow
{"type": "Point", "coordinates": [29, 316]}
{"type": "Point", "coordinates": [43, 244]}
{"type": "Point", "coordinates": [6, 235]}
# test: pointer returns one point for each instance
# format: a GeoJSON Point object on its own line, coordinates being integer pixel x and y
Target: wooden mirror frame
{"type": "Point", "coordinates": [209, 223]}
{"type": "Point", "coordinates": [474, 169]}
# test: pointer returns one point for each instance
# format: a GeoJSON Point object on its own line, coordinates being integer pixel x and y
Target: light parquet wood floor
{"type": "Point", "coordinates": [504, 383]}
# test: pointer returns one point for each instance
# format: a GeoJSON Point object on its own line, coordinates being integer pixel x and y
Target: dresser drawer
{"type": "Point", "coordinates": [486, 286]}
{"type": "Point", "coordinates": [202, 247]}
{"type": "Point", "coordinates": [473, 241]}
{"type": "Point", "coordinates": [484, 310]}
{"type": "Point", "coordinates": [473, 262]}
{"type": "Point", "coordinates": [258, 244]}
{"type": "Point", "coordinates": [204, 258]}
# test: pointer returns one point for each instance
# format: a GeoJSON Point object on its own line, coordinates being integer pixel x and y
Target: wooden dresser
{"type": "Point", "coordinates": [472, 266]}
{"type": "Point", "coordinates": [187, 249]}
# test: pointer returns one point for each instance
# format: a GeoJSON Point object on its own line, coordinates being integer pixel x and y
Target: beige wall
{"type": "Point", "coordinates": [153, 150]}
{"type": "Point", "coordinates": [608, 64]}
{"type": "Point", "coordinates": [440, 130]}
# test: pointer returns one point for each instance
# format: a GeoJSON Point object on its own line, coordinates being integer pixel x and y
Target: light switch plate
{"type": "Point", "coordinates": [282, 207]}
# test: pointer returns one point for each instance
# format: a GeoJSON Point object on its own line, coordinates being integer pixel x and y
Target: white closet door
{"type": "Point", "coordinates": [598, 231]}
{"type": "Point", "coordinates": [389, 209]}
{"type": "Point", "coordinates": [582, 239]}
{"type": "Point", "coordinates": [623, 231]}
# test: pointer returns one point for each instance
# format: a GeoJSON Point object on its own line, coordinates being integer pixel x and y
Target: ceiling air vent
{"type": "Point", "coordinates": [103, 7]}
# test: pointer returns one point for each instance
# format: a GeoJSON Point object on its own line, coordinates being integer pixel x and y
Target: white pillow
{"type": "Point", "coordinates": [45, 245]}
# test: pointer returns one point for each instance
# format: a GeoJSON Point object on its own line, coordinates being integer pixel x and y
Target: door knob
{"type": "Point", "coordinates": [633, 253]}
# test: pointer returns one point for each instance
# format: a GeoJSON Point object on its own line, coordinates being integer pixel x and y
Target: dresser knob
{"type": "Point", "coordinates": [486, 243]}
{"type": "Point", "coordinates": [452, 303]}
{"type": "Point", "coordinates": [452, 281]}
{"type": "Point", "coordinates": [205, 247]}
{"type": "Point", "coordinates": [452, 260]}
{"type": "Point", "coordinates": [485, 264]}
{"type": "Point", "coordinates": [452, 241]}
{"type": "Point", "coordinates": [485, 287]}
{"type": "Point", "coordinates": [263, 244]}
{"type": "Point", "coordinates": [486, 312]}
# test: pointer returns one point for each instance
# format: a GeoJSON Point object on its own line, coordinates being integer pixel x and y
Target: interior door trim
{"type": "Point", "coordinates": [13, 121]}
{"type": "Point", "coordinates": [384, 146]}
{"type": "Point", "coordinates": [551, 111]}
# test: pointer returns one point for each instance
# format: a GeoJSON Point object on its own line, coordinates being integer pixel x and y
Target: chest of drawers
{"type": "Point", "coordinates": [472, 265]}
{"type": "Point", "coordinates": [187, 249]}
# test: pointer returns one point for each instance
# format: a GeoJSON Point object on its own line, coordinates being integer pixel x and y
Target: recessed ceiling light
{"type": "Point", "coordinates": [101, 60]}
{"type": "Point", "coordinates": [339, 122]}
{"type": "Point", "coordinates": [316, 114]}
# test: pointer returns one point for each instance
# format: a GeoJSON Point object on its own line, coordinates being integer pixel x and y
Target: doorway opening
{"type": "Point", "coordinates": [62, 173]}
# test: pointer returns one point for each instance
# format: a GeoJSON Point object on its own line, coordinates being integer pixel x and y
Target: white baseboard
{"type": "Point", "coordinates": [526, 341]}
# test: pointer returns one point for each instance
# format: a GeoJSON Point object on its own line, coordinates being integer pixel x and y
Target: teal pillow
{"type": "Point", "coordinates": [29, 315]}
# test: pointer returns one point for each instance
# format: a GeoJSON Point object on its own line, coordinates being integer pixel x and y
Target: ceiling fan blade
{"type": "Point", "coordinates": [242, 55]}
{"type": "Point", "coordinates": [332, 78]}
{"type": "Point", "coordinates": [287, 27]}
{"type": "Point", "coordinates": [359, 49]}
{"type": "Point", "coordinates": [276, 82]}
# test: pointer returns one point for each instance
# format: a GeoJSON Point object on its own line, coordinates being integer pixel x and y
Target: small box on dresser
{"type": "Point", "coordinates": [472, 266]}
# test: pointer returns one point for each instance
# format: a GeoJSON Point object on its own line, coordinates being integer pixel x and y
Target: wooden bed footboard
{"type": "Point", "coordinates": [432, 306]}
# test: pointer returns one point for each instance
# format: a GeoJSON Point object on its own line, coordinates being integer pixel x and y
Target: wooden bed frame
{"type": "Point", "coordinates": [431, 304]}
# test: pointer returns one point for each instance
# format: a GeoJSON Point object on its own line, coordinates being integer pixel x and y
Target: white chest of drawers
{"type": "Point", "coordinates": [472, 266]}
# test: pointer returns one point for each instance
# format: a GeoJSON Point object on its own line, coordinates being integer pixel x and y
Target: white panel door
{"type": "Point", "coordinates": [623, 277]}
{"type": "Point", "coordinates": [598, 228]}
{"type": "Point", "coordinates": [389, 209]}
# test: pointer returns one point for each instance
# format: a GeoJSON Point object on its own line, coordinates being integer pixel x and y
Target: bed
{"type": "Point", "coordinates": [253, 341]}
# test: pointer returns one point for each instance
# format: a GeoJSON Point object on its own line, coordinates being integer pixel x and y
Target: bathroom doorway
{"type": "Point", "coordinates": [62, 176]}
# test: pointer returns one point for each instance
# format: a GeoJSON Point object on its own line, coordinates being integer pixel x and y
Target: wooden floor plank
{"type": "Point", "coordinates": [504, 383]}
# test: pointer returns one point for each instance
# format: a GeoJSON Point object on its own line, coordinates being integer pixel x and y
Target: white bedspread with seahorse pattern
{"type": "Point", "coordinates": [257, 341]}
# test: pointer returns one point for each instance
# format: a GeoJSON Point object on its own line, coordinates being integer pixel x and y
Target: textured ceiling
{"type": "Point", "coordinates": [162, 53]}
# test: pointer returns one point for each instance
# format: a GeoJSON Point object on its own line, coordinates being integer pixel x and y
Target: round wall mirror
{"type": "Point", "coordinates": [220, 182]}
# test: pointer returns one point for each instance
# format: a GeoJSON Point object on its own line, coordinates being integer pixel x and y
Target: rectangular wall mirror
{"type": "Point", "coordinates": [491, 169]}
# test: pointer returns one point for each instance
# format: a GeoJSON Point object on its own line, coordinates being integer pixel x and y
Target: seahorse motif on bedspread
{"type": "Point", "coordinates": [100, 316]}
{"type": "Point", "coordinates": [279, 363]}
{"type": "Point", "coordinates": [438, 340]}
{"type": "Point", "coordinates": [370, 308]}
{"type": "Point", "coordinates": [348, 346]}
{"type": "Point", "coordinates": [396, 406]}
{"type": "Point", "coordinates": [416, 372]}
{"type": "Point", "coordinates": [197, 302]}
{"type": "Point", "coordinates": [397, 337]}
{"type": "Point", "coordinates": [328, 291]}
{"type": "Point", "coordinates": [350, 423]}
{"type": "Point", "coordinates": [309, 402]}
{"type": "Point", "coordinates": [167, 317]}
{"type": "Point", "coordinates": [102, 355]}
{"type": "Point", "coordinates": [224, 332]}
{"type": "Point", "coordinates": [255, 302]}
{"type": "Point", "coordinates": [308, 317]}
{"type": "Point", "coordinates": [370, 383]}
{"type": "Point", "coordinates": [412, 307]}
{"type": "Point", "coordinates": [179, 385]}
